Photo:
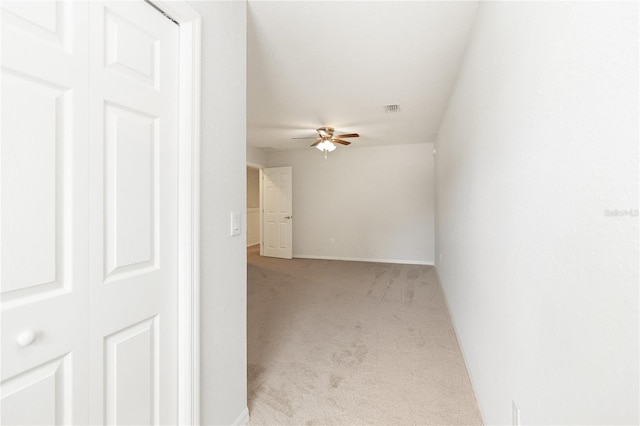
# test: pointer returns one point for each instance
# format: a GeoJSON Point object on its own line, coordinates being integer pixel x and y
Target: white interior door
{"type": "Point", "coordinates": [43, 273]}
{"type": "Point", "coordinates": [89, 213]}
{"type": "Point", "coordinates": [277, 212]}
{"type": "Point", "coordinates": [133, 205]}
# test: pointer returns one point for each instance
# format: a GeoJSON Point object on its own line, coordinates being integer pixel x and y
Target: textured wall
{"type": "Point", "coordinates": [537, 150]}
{"type": "Point", "coordinates": [376, 203]}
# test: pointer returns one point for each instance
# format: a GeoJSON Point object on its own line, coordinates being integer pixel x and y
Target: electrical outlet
{"type": "Point", "coordinates": [515, 413]}
{"type": "Point", "coordinates": [332, 241]}
{"type": "Point", "coordinates": [440, 257]}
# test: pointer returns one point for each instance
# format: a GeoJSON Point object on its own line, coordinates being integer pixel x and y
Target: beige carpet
{"type": "Point", "coordinates": [346, 343]}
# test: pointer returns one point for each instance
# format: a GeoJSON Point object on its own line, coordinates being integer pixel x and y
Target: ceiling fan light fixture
{"type": "Point", "coordinates": [326, 145]}
{"type": "Point", "coordinates": [326, 142]}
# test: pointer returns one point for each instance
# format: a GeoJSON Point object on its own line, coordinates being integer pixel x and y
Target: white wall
{"type": "Point", "coordinates": [539, 140]}
{"type": "Point", "coordinates": [253, 206]}
{"type": "Point", "coordinates": [253, 187]}
{"type": "Point", "coordinates": [223, 263]}
{"type": "Point", "coordinates": [376, 203]}
{"type": "Point", "coordinates": [256, 156]}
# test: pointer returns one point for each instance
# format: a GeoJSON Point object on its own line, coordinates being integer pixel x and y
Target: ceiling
{"type": "Point", "coordinates": [337, 63]}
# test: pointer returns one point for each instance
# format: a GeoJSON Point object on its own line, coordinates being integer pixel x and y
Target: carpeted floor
{"type": "Point", "coordinates": [345, 343]}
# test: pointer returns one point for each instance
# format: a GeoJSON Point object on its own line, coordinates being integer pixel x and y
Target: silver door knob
{"type": "Point", "coordinates": [26, 338]}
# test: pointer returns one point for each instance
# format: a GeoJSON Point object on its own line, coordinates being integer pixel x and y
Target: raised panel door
{"type": "Point", "coordinates": [133, 214]}
{"type": "Point", "coordinates": [43, 225]}
{"type": "Point", "coordinates": [277, 215]}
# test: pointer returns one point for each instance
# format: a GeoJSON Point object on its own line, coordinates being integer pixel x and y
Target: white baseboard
{"type": "Point", "coordinates": [359, 259]}
{"type": "Point", "coordinates": [460, 345]}
{"type": "Point", "coordinates": [243, 418]}
{"type": "Point", "coordinates": [253, 244]}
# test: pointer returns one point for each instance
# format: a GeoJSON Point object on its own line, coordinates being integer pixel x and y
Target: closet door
{"type": "Point", "coordinates": [88, 232]}
{"type": "Point", "coordinates": [43, 230]}
{"type": "Point", "coordinates": [133, 214]}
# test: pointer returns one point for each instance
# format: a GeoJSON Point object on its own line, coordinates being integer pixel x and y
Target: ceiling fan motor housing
{"type": "Point", "coordinates": [325, 132]}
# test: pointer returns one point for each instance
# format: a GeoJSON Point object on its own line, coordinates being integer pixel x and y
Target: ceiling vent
{"type": "Point", "coordinates": [392, 108]}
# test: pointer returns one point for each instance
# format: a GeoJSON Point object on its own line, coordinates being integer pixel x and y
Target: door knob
{"type": "Point", "coordinates": [288, 217]}
{"type": "Point", "coordinates": [26, 338]}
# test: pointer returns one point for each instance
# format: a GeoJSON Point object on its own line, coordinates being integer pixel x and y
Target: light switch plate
{"type": "Point", "coordinates": [235, 224]}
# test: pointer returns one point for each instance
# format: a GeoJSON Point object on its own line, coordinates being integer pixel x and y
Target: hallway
{"type": "Point", "coordinates": [332, 342]}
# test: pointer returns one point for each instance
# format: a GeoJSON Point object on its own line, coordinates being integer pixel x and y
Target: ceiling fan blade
{"type": "Point", "coordinates": [317, 142]}
{"type": "Point", "coordinates": [340, 141]}
{"type": "Point", "coordinates": [349, 135]}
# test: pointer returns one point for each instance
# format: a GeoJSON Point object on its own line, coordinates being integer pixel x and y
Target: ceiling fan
{"type": "Point", "coordinates": [326, 140]}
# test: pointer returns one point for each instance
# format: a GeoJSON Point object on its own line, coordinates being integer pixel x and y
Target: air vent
{"type": "Point", "coordinates": [392, 108]}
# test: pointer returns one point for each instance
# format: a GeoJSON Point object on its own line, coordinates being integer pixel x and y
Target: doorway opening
{"type": "Point", "coordinates": [254, 210]}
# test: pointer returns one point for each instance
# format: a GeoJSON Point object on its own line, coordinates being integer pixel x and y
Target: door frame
{"type": "Point", "coordinates": [188, 208]}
